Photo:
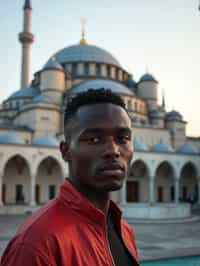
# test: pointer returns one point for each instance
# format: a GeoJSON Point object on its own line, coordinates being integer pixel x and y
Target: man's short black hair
{"type": "Point", "coordinates": [91, 96]}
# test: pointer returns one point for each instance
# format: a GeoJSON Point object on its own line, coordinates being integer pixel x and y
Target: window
{"type": "Point", "coordinates": [108, 71]}
{"type": "Point", "coordinates": [52, 191]}
{"type": "Point", "coordinates": [74, 70]}
{"type": "Point", "coordinates": [98, 70]}
{"type": "Point", "coordinates": [86, 69]}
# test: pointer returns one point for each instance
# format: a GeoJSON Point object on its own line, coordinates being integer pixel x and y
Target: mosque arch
{"type": "Point", "coordinates": [48, 179]}
{"type": "Point", "coordinates": [164, 182]}
{"type": "Point", "coordinates": [137, 183]}
{"type": "Point", "coordinates": [16, 181]}
{"type": "Point", "coordinates": [188, 183]}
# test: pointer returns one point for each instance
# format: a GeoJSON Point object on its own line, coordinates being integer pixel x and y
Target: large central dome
{"type": "Point", "coordinates": [85, 53]}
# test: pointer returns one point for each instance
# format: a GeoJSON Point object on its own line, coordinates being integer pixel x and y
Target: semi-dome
{"type": "Point", "coordinates": [84, 53]}
{"type": "Point", "coordinates": [147, 77]}
{"type": "Point", "coordinates": [130, 82]}
{"type": "Point", "coordinates": [53, 64]}
{"type": "Point", "coordinates": [161, 147]}
{"type": "Point", "coordinates": [187, 149]}
{"type": "Point", "coordinates": [139, 145]}
{"type": "Point", "coordinates": [174, 115]}
{"type": "Point", "coordinates": [25, 93]}
{"type": "Point", "coordinates": [11, 138]}
{"type": "Point", "coordinates": [42, 98]}
{"type": "Point", "coordinates": [46, 140]}
{"type": "Point", "coordinates": [101, 83]}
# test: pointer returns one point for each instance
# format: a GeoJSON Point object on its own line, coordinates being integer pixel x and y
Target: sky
{"type": "Point", "coordinates": [162, 37]}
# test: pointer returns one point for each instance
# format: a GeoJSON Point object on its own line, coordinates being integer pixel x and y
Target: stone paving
{"type": "Point", "coordinates": [155, 240]}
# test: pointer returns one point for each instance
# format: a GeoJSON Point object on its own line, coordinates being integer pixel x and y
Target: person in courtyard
{"type": "Point", "coordinates": [82, 226]}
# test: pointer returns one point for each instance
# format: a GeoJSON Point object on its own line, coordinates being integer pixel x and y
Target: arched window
{"type": "Point", "coordinates": [98, 70]}
{"type": "Point", "coordinates": [86, 69]}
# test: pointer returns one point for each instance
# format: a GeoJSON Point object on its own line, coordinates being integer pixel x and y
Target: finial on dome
{"type": "Point", "coordinates": [83, 40]}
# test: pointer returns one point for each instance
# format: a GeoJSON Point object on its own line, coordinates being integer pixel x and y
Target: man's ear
{"type": "Point", "coordinates": [65, 151]}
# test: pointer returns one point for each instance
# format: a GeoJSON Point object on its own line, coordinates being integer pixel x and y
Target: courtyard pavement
{"type": "Point", "coordinates": [155, 239]}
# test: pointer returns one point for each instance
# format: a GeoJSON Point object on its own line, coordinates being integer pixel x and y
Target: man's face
{"type": "Point", "coordinates": [100, 147]}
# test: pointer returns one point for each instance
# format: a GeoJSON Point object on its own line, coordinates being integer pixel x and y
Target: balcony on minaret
{"type": "Point", "coordinates": [26, 37]}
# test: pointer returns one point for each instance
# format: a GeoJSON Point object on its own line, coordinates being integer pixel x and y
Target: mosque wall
{"type": "Point", "coordinates": [151, 136]}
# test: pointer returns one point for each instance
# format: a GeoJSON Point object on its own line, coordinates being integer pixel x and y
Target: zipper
{"type": "Point", "coordinates": [108, 244]}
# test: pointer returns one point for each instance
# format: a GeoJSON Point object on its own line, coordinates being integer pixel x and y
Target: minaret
{"type": "Point", "coordinates": [26, 39]}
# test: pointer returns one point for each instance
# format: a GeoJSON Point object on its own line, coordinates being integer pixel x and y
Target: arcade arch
{"type": "Point", "coordinates": [164, 183]}
{"type": "Point", "coordinates": [16, 181]}
{"type": "Point", "coordinates": [137, 184]}
{"type": "Point", "coordinates": [48, 179]}
{"type": "Point", "coordinates": [188, 183]}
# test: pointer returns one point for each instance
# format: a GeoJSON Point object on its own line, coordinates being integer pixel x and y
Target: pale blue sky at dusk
{"type": "Point", "coordinates": [161, 35]}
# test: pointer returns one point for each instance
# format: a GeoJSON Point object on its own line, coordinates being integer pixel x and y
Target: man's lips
{"type": "Point", "coordinates": [112, 169]}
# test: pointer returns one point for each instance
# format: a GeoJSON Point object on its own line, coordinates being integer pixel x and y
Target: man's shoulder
{"type": "Point", "coordinates": [46, 222]}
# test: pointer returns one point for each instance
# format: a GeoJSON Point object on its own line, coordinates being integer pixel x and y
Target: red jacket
{"type": "Point", "coordinates": [68, 231]}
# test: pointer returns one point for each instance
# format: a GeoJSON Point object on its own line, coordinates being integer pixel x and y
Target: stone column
{"type": "Point", "coordinates": [151, 190]}
{"type": "Point", "coordinates": [1, 187]}
{"type": "Point", "coordinates": [32, 202]}
{"type": "Point", "coordinates": [176, 190]}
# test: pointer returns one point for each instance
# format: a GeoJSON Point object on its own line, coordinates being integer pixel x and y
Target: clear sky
{"type": "Point", "coordinates": [161, 35]}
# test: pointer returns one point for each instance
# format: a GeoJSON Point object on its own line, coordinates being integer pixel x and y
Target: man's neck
{"type": "Point", "coordinates": [101, 199]}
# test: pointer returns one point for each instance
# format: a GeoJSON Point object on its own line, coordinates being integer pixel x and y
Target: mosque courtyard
{"type": "Point", "coordinates": [156, 239]}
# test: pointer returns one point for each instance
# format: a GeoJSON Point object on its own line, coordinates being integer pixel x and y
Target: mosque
{"type": "Point", "coordinates": [165, 171]}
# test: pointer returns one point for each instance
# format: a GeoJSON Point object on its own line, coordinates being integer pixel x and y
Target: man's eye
{"type": "Point", "coordinates": [123, 138]}
{"type": "Point", "coordinates": [94, 140]}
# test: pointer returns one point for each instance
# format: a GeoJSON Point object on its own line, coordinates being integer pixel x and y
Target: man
{"type": "Point", "coordinates": [82, 226]}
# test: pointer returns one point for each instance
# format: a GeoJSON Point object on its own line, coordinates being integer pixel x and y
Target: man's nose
{"type": "Point", "coordinates": [111, 149]}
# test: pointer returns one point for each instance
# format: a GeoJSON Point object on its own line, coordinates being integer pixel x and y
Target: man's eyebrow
{"type": "Point", "coordinates": [100, 130]}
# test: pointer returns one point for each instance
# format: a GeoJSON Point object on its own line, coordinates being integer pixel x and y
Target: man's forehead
{"type": "Point", "coordinates": [102, 112]}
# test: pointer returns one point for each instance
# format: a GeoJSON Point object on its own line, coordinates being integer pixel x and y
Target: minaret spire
{"type": "Point", "coordinates": [163, 100]}
{"type": "Point", "coordinates": [26, 38]}
{"type": "Point", "coordinates": [83, 40]}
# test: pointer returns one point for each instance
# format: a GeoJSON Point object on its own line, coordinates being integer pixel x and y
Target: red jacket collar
{"type": "Point", "coordinates": [70, 195]}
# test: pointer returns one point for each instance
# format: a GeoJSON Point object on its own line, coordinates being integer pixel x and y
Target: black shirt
{"type": "Point", "coordinates": [120, 254]}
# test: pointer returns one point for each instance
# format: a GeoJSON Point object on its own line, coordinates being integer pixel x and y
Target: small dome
{"type": "Point", "coordinates": [156, 114]}
{"type": "Point", "coordinates": [174, 115]}
{"type": "Point", "coordinates": [101, 83]}
{"type": "Point", "coordinates": [46, 140]}
{"type": "Point", "coordinates": [187, 149]}
{"type": "Point", "coordinates": [147, 77]}
{"type": "Point", "coordinates": [130, 82]}
{"type": "Point", "coordinates": [11, 138]}
{"type": "Point", "coordinates": [42, 98]}
{"type": "Point", "coordinates": [161, 147]}
{"type": "Point", "coordinates": [85, 53]}
{"type": "Point", "coordinates": [139, 146]}
{"type": "Point", "coordinates": [25, 93]}
{"type": "Point", "coordinates": [52, 64]}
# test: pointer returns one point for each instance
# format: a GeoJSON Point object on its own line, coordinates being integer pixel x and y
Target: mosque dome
{"type": "Point", "coordinates": [84, 53]}
{"type": "Point", "coordinates": [46, 140]}
{"type": "Point", "coordinates": [96, 84]}
{"type": "Point", "coordinates": [174, 115]}
{"type": "Point", "coordinates": [161, 147]}
{"type": "Point", "coordinates": [139, 145]}
{"type": "Point", "coordinates": [187, 149]}
{"type": "Point", "coordinates": [53, 64]}
{"type": "Point", "coordinates": [11, 138]}
{"type": "Point", "coordinates": [25, 93]}
{"type": "Point", "coordinates": [147, 77]}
